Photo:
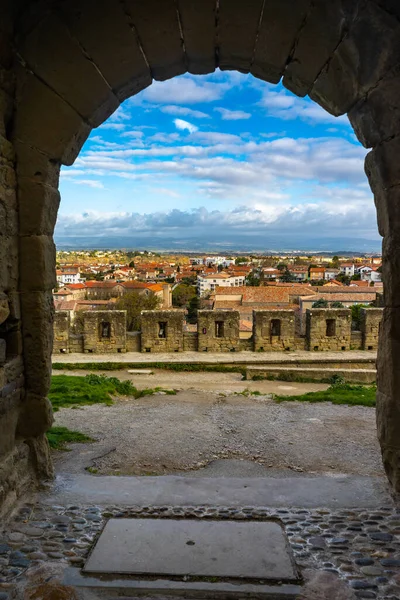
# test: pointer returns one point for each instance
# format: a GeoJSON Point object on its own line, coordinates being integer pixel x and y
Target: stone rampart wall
{"type": "Point", "coordinates": [370, 325]}
{"type": "Point", "coordinates": [104, 331]}
{"type": "Point", "coordinates": [162, 330]}
{"type": "Point", "coordinates": [218, 330]}
{"type": "Point", "coordinates": [328, 329]}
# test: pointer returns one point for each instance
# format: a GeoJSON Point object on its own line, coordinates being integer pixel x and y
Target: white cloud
{"type": "Point", "coordinates": [183, 111]}
{"type": "Point", "coordinates": [182, 90]}
{"type": "Point", "coordinates": [133, 134]}
{"type": "Point", "coordinates": [110, 125]}
{"type": "Point", "coordinates": [286, 106]}
{"type": "Point", "coordinates": [232, 115]}
{"type": "Point", "coordinates": [185, 125]}
{"type": "Point", "coordinates": [89, 182]}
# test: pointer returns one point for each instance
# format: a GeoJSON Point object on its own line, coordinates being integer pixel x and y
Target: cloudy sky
{"type": "Point", "coordinates": [220, 161]}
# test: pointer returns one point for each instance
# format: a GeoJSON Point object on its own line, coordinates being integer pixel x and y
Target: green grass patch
{"type": "Point", "coordinates": [344, 393]}
{"type": "Point", "coordinates": [70, 391]}
{"type": "Point", "coordinates": [178, 367]}
{"type": "Point", "coordinates": [59, 437]}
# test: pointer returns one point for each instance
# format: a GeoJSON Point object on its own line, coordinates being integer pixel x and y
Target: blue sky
{"type": "Point", "coordinates": [224, 160]}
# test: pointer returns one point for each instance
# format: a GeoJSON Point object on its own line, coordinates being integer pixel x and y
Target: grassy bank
{"type": "Point", "coordinates": [353, 395]}
{"type": "Point", "coordinates": [69, 391]}
{"type": "Point", "coordinates": [59, 437]}
{"type": "Point", "coordinates": [117, 366]}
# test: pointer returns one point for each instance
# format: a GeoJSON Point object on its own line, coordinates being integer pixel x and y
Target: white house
{"type": "Point", "coordinates": [347, 269]}
{"type": "Point", "coordinates": [68, 275]}
{"type": "Point", "coordinates": [208, 283]}
{"type": "Point", "coordinates": [331, 273]}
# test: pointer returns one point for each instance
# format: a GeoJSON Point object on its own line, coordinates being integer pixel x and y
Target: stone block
{"type": "Point", "coordinates": [10, 407]}
{"type": "Point", "coordinates": [37, 331]}
{"type": "Point", "coordinates": [273, 330]}
{"type": "Point", "coordinates": [8, 212]}
{"type": "Point", "coordinates": [391, 270]}
{"type": "Point", "coordinates": [381, 165]}
{"type": "Point", "coordinates": [37, 263]}
{"type": "Point", "coordinates": [8, 262]}
{"type": "Point", "coordinates": [3, 353]}
{"type": "Point", "coordinates": [218, 330]}
{"type": "Point", "coordinates": [7, 152]}
{"type": "Point", "coordinates": [328, 329]}
{"type": "Point", "coordinates": [162, 330]}
{"type": "Point", "coordinates": [237, 33]}
{"type": "Point", "coordinates": [36, 416]}
{"type": "Point", "coordinates": [38, 207]}
{"type": "Point", "coordinates": [377, 117]}
{"type": "Point", "coordinates": [280, 24]}
{"type": "Point", "coordinates": [4, 308]}
{"type": "Point", "coordinates": [361, 60]}
{"type": "Point", "coordinates": [199, 34]}
{"type": "Point", "coordinates": [323, 29]}
{"type": "Point", "coordinates": [116, 53]}
{"type": "Point", "coordinates": [36, 165]}
{"type": "Point", "coordinates": [52, 54]}
{"type": "Point", "coordinates": [158, 30]}
{"type": "Point", "coordinates": [104, 331]}
{"type": "Point", "coordinates": [45, 121]}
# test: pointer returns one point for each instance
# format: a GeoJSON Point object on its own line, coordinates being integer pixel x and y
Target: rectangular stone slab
{"type": "Point", "coordinates": [231, 549]}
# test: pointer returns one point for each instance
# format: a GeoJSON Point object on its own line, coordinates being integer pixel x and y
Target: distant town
{"type": "Point", "coordinates": [143, 280]}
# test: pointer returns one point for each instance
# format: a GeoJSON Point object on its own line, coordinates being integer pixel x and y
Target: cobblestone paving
{"type": "Point", "coordinates": [360, 546]}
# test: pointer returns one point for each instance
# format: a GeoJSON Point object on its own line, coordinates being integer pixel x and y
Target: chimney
{"type": "Point", "coordinates": [167, 295]}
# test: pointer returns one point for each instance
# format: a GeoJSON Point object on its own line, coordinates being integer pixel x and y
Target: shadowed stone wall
{"type": "Point", "coordinates": [61, 331]}
{"type": "Point", "coordinates": [104, 331]}
{"type": "Point", "coordinates": [274, 330]}
{"type": "Point", "coordinates": [162, 330]}
{"type": "Point", "coordinates": [63, 72]}
{"type": "Point", "coordinates": [370, 324]}
{"type": "Point", "coordinates": [328, 329]}
{"type": "Point", "coordinates": [218, 330]}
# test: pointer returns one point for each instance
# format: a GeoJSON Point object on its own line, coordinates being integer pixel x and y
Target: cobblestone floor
{"type": "Point", "coordinates": [362, 547]}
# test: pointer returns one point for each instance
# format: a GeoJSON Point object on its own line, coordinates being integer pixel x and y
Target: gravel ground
{"type": "Point", "coordinates": [160, 434]}
{"type": "Point", "coordinates": [201, 380]}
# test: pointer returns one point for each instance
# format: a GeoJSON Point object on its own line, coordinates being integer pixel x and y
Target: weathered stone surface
{"type": "Point", "coordinates": [46, 122]}
{"type": "Point", "coordinates": [52, 54]}
{"type": "Point", "coordinates": [363, 57]}
{"type": "Point", "coordinates": [237, 33]}
{"type": "Point", "coordinates": [37, 330]}
{"type": "Point", "coordinates": [328, 329]}
{"type": "Point", "coordinates": [273, 330]}
{"type": "Point", "coordinates": [4, 308]}
{"type": "Point", "coordinates": [158, 29]}
{"type": "Point", "coordinates": [36, 416]}
{"type": "Point", "coordinates": [218, 330]}
{"type": "Point", "coordinates": [199, 34]}
{"type": "Point", "coordinates": [36, 165]}
{"type": "Point", "coordinates": [377, 117]}
{"type": "Point", "coordinates": [370, 324]}
{"type": "Point", "coordinates": [104, 331]}
{"type": "Point", "coordinates": [162, 330]}
{"type": "Point", "coordinates": [324, 27]}
{"type": "Point", "coordinates": [281, 22]}
{"type": "Point", "coordinates": [10, 406]}
{"type": "Point", "coordinates": [117, 55]}
{"type": "Point", "coordinates": [8, 262]}
{"type": "Point", "coordinates": [38, 274]}
{"type": "Point", "coordinates": [381, 165]}
{"type": "Point", "coordinates": [38, 207]}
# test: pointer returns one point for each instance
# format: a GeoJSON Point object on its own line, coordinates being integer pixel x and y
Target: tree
{"type": "Point", "coordinates": [337, 304]}
{"type": "Point", "coordinates": [320, 303]}
{"type": "Point", "coordinates": [194, 306]}
{"type": "Point", "coordinates": [182, 295]}
{"type": "Point", "coordinates": [252, 280]}
{"type": "Point", "coordinates": [132, 264]}
{"type": "Point", "coordinates": [287, 276]}
{"type": "Point", "coordinates": [281, 266]}
{"type": "Point", "coordinates": [335, 262]}
{"type": "Point", "coordinates": [356, 277]}
{"type": "Point", "coordinates": [240, 260]}
{"type": "Point", "coordinates": [134, 303]}
{"type": "Point", "coordinates": [345, 279]}
{"type": "Point", "coordinates": [356, 316]}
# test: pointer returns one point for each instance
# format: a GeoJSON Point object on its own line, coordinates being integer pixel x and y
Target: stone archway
{"type": "Point", "coordinates": [66, 66]}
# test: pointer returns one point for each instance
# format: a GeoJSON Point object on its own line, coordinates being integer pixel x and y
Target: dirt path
{"type": "Point", "coordinates": [201, 380]}
{"type": "Point", "coordinates": [168, 434]}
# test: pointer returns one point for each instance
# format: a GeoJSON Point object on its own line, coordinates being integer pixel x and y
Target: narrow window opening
{"type": "Point", "coordinates": [330, 327]}
{"type": "Point", "coordinates": [315, 347]}
{"type": "Point", "coordinates": [162, 329]}
{"type": "Point", "coordinates": [275, 328]}
{"type": "Point", "coordinates": [219, 329]}
{"type": "Point", "coordinates": [370, 348]}
{"type": "Point", "coordinates": [105, 330]}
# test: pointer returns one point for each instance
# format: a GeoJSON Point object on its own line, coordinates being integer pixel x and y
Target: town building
{"type": "Point", "coordinates": [208, 283]}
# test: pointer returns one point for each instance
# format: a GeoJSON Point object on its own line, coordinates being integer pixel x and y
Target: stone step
{"type": "Point", "coordinates": [317, 374]}
{"type": "Point", "coordinates": [209, 558]}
